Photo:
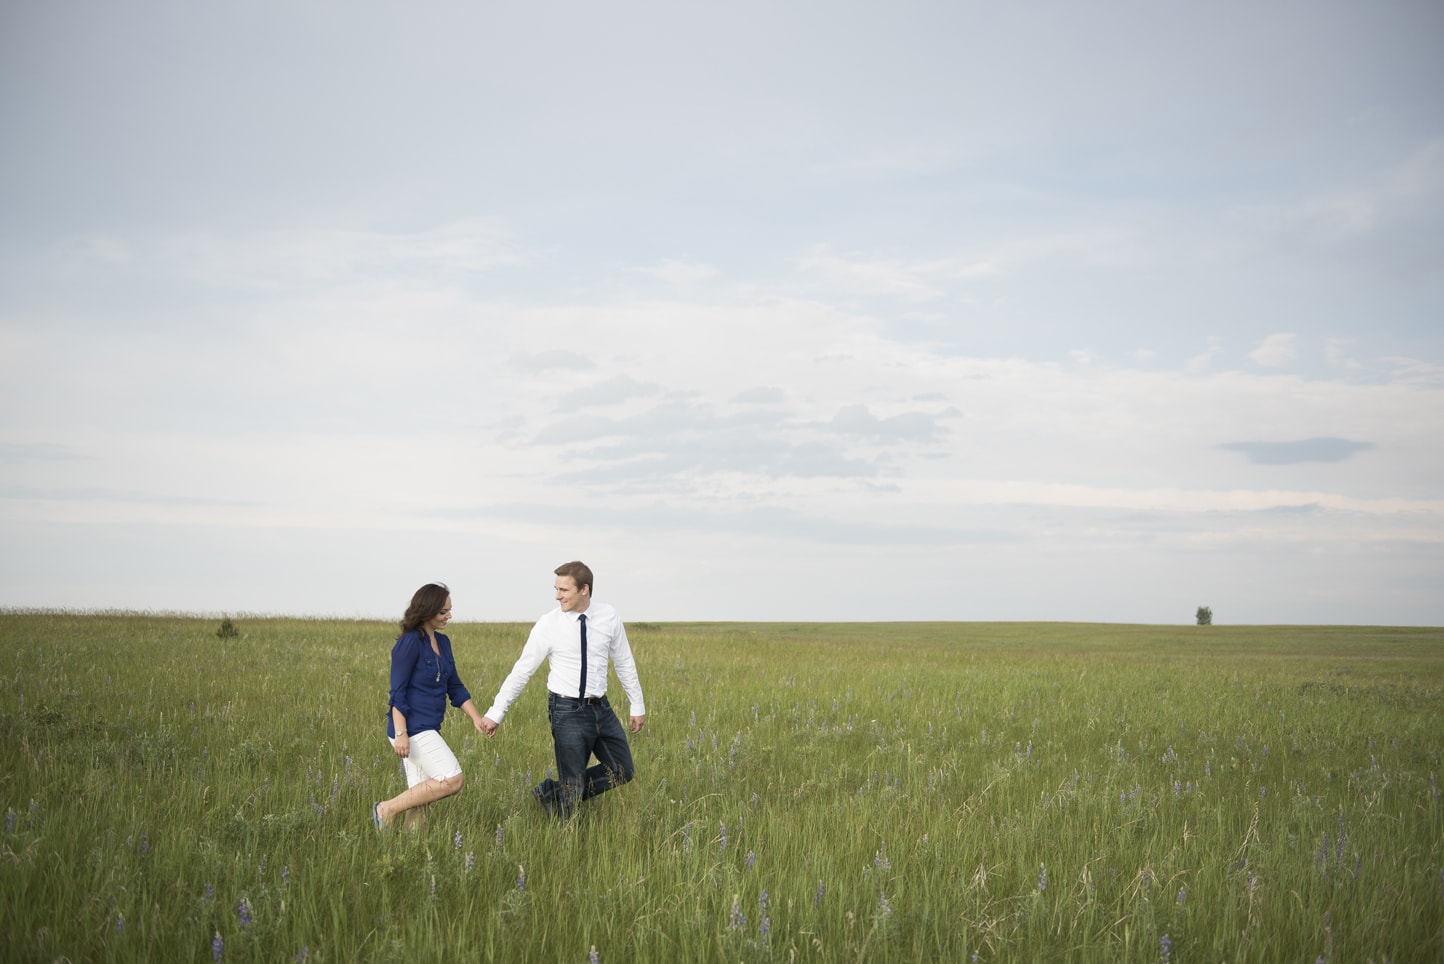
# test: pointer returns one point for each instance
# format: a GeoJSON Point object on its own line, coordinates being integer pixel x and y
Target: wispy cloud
{"type": "Point", "coordinates": [1276, 350]}
{"type": "Point", "coordinates": [614, 390]}
{"type": "Point", "coordinates": [13, 453]}
{"type": "Point", "coordinates": [1324, 449]}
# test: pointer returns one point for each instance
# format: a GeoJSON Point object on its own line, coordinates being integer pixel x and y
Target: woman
{"type": "Point", "coordinates": [423, 675]}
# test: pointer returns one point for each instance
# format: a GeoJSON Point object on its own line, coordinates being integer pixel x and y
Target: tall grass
{"type": "Point", "coordinates": [804, 792]}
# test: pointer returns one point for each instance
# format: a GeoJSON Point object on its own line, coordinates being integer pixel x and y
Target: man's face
{"type": "Point", "coordinates": [572, 599]}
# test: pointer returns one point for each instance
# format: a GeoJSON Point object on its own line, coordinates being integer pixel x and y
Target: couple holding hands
{"type": "Point", "coordinates": [579, 638]}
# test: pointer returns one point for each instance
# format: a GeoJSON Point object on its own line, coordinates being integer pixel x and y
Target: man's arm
{"type": "Point", "coordinates": [532, 654]}
{"type": "Point", "coordinates": [626, 667]}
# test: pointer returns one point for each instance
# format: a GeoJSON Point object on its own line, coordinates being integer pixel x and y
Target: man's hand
{"type": "Point", "coordinates": [488, 726]}
{"type": "Point", "coordinates": [637, 723]}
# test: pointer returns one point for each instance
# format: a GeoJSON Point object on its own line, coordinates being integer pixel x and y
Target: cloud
{"type": "Point", "coordinates": [538, 362]}
{"type": "Point", "coordinates": [13, 453]}
{"type": "Point", "coordinates": [1275, 350]}
{"type": "Point", "coordinates": [1324, 449]}
{"type": "Point", "coordinates": [29, 493]}
{"type": "Point", "coordinates": [610, 392]}
{"type": "Point", "coordinates": [1202, 362]}
{"type": "Point", "coordinates": [679, 466]}
{"type": "Point", "coordinates": [679, 272]}
{"type": "Point", "coordinates": [906, 427]}
{"type": "Point", "coordinates": [1336, 352]}
{"type": "Point", "coordinates": [768, 522]}
{"type": "Point", "coordinates": [877, 276]}
{"type": "Point", "coordinates": [760, 396]}
{"type": "Point", "coordinates": [673, 444]}
{"type": "Point", "coordinates": [306, 257]}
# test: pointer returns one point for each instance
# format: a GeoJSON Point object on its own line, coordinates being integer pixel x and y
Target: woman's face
{"type": "Point", "coordinates": [438, 622]}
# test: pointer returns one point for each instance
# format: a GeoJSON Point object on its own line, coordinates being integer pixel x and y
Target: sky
{"type": "Point", "coordinates": [804, 311]}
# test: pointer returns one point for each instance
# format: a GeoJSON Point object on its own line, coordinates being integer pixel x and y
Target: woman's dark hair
{"type": "Point", "coordinates": [429, 601]}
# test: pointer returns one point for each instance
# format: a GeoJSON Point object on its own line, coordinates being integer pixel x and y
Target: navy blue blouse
{"type": "Point", "coordinates": [421, 681]}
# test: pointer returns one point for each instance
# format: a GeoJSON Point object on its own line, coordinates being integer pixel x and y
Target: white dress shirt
{"type": "Point", "coordinates": [557, 637]}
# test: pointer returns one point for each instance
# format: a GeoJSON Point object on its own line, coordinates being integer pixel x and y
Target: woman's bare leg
{"type": "Point", "coordinates": [418, 797]}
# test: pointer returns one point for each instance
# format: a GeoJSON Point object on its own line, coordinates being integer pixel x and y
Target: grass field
{"type": "Point", "coordinates": [887, 792]}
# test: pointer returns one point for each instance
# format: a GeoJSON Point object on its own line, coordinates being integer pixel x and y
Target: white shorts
{"type": "Point", "coordinates": [429, 758]}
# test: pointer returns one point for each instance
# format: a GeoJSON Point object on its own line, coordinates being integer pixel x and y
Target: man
{"type": "Point", "coordinates": [578, 638]}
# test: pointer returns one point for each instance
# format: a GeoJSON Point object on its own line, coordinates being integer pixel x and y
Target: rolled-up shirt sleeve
{"type": "Point", "coordinates": [403, 663]}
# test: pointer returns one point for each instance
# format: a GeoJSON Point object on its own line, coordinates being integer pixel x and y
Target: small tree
{"type": "Point", "coordinates": [228, 629]}
{"type": "Point", "coordinates": [1205, 616]}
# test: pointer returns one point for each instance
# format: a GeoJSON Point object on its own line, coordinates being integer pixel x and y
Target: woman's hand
{"type": "Point", "coordinates": [403, 745]}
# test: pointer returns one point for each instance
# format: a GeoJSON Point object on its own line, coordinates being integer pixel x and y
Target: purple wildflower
{"type": "Point", "coordinates": [884, 905]}
{"type": "Point", "coordinates": [593, 957]}
{"type": "Point", "coordinates": [120, 923]}
{"type": "Point", "coordinates": [723, 842]}
{"type": "Point", "coordinates": [243, 912]}
{"type": "Point", "coordinates": [286, 875]}
{"type": "Point", "coordinates": [521, 878]}
{"type": "Point", "coordinates": [305, 951]}
{"type": "Point", "coordinates": [821, 892]}
{"type": "Point", "coordinates": [1182, 895]}
{"type": "Point", "coordinates": [1165, 947]}
{"type": "Point", "coordinates": [456, 840]}
{"type": "Point", "coordinates": [470, 861]}
{"type": "Point", "coordinates": [736, 919]}
{"type": "Point", "coordinates": [210, 892]}
{"type": "Point", "coordinates": [1042, 877]}
{"type": "Point", "coordinates": [499, 832]}
{"type": "Point", "coordinates": [218, 947]}
{"type": "Point", "coordinates": [751, 858]}
{"type": "Point", "coordinates": [9, 821]}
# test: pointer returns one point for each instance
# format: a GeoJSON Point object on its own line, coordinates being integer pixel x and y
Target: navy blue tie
{"type": "Point", "coordinates": [582, 693]}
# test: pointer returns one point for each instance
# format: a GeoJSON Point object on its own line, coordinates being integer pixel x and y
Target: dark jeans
{"type": "Point", "coordinates": [579, 732]}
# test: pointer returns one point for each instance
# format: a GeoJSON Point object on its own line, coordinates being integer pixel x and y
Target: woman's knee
{"type": "Point", "coordinates": [453, 784]}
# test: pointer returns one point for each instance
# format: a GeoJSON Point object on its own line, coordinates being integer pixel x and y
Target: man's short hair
{"type": "Point", "coordinates": [579, 572]}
